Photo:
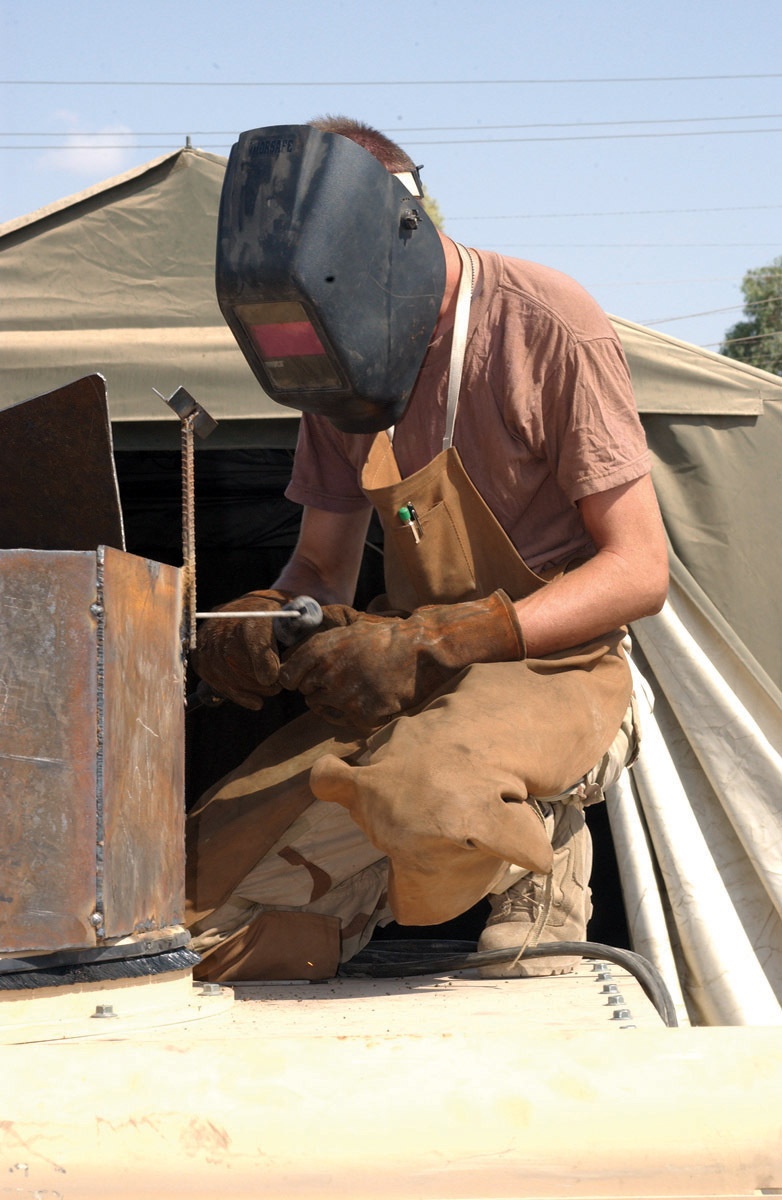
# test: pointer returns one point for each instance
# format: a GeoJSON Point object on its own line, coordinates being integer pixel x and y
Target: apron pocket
{"type": "Point", "coordinates": [439, 567]}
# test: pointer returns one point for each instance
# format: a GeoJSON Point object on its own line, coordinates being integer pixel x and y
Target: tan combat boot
{"type": "Point", "coordinates": [519, 916]}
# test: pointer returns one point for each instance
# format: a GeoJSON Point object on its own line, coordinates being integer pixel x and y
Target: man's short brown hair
{"type": "Point", "coordinates": [393, 157]}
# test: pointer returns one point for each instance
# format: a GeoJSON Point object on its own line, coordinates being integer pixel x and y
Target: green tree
{"type": "Point", "coordinates": [433, 209]}
{"type": "Point", "coordinates": [757, 339]}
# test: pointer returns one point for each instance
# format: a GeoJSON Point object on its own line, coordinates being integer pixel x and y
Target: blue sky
{"type": "Point", "coordinates": [585, 134]}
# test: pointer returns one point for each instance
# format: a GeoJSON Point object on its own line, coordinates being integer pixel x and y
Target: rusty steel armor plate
{"type": "Point", "coordinates": [91, 748]}
{"type": "Point", "coordinates": [58, 484]}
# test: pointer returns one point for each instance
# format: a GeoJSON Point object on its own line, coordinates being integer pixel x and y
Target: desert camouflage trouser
{"type": "Point", "coordinates": [324, 865]}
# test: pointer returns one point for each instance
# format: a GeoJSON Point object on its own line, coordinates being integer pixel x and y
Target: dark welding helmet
{"type": "Point", "coordinates": [329, 274]}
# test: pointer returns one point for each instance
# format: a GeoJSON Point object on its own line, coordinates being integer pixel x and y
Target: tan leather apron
{"type": "Point", "coordinates": [454, 548]}
{"type": "Point", "coordinates": [504, 725]}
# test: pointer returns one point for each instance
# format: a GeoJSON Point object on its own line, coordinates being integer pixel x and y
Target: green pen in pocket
{"type": "Point", "coordinates": [409, 518]}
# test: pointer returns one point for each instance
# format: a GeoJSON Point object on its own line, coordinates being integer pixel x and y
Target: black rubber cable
{"type": "Point", "coordinates": [385, 960]}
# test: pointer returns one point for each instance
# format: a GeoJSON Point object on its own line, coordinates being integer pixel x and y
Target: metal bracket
{"type": "Point", "coordinates": [185, 406]}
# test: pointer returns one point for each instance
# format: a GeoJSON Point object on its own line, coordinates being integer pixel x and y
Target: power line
{"type": "Point", "coordinates": [757, 337]}
{"type": "Point", "coordinates": [592, 137]}
{"type": "Point", "coordinates": [66, 147]}
{"type": "Point", "coordinates": [418, 128]}
{"type": "Point", "coordinates": [627, 245]}
{"type": "Point", "coordinates": [167, 133]}
{"type": "Point", "coordinates": [566, 124]}
{"type": "Point", "coordinates": [576, 137]}
{"type": "Point", "coordinates": [301, 83]}
{"type": "Point", "coordinates": [662, 282]}
{"type": "Point", "coordinates": [714, 311]}
{"type": "Point", "coordinates": [622, 212]}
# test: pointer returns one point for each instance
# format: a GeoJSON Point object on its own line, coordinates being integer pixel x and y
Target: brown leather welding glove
{"type": "Point", "coordinates": [378, 667]}
{"type": "Point", "coordinates": [240, 659]}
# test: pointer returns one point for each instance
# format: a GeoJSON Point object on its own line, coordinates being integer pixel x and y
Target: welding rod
{"type": "Point", "coordinates": [299, 616]}
{"type": "Point", "coordinates": [308, 616]}
{"type": "Point", "coordinates": [216, 616]}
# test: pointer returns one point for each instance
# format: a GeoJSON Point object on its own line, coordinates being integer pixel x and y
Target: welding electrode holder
{"type": "Point", "coordinates": [305, 615]}
{"type": "Point", "coordinates": [301, 615]}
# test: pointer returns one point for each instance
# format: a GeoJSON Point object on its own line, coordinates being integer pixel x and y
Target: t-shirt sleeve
{"type": "Point", "coordinates": [593, 434]}
{"type": "Point", "coordinates": [324, 475]}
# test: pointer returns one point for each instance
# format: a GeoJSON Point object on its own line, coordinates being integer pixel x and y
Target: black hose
{"type": "Point", "coordinates": [385, 960]}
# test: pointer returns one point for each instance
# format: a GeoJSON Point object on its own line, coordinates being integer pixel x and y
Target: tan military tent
{"type": "Point", "coordinates": [119, 279]}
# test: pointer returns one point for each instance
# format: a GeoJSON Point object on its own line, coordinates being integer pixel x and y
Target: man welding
{"type": "Point", "coordinates": [482, 406]}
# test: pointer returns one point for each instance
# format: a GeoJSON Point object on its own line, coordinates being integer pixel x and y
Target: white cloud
{"type": "Point", "coordinates": [95, 153]}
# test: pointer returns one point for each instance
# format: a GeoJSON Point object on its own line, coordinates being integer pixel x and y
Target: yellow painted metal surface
{"type": "Point", "coordinates": [425, 1088]}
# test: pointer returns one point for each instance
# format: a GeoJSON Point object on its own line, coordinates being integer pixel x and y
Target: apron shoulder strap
{"type": "Point", "coordinates": [459, 343]}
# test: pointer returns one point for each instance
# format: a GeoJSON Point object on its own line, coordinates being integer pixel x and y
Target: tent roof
{"type": "Point", "coordinates": [671, 376]}
{"type": "Point", "coordinates": [119, 279]}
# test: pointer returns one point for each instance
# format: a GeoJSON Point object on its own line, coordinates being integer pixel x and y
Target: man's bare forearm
{"type": "Point", "coordinates": [626, 580]}
{"type": "Point", "coordinates": [603, 594]}
{"type": "Point", "coordinates": [327, 558]}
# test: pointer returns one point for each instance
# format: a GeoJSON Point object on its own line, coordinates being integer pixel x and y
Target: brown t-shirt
{"type": "Point", "coordinates": [546, 414]}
